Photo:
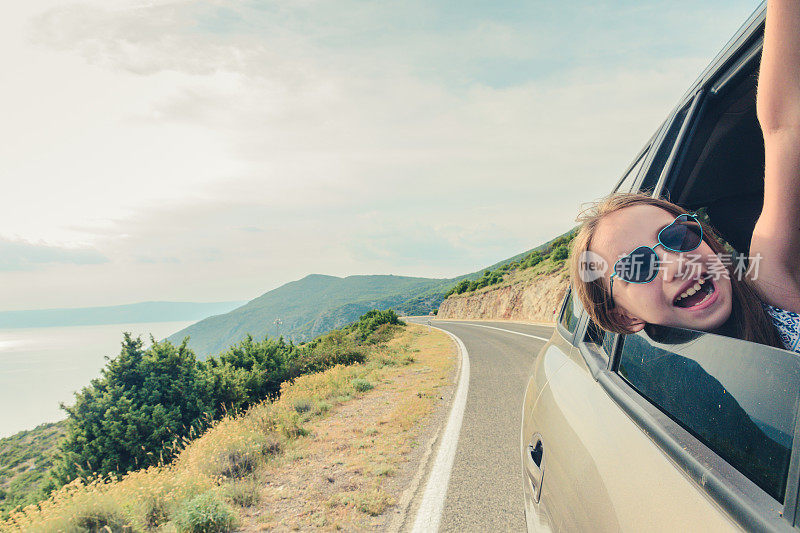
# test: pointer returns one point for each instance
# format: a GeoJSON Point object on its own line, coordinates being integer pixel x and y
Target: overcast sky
{"type": "Point", "coordinates": [199, 151]}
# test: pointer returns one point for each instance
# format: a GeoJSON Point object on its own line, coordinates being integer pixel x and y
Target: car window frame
{"type": "Point", "coordinates": [693, 108]}
{"type": "Point", "coordinates": [641, 157]}
{"type": "Point", "coordinates": [568, 335]}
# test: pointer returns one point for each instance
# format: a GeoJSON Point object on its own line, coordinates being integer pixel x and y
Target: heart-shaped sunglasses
{"type": "Point", "coordinates": [683, 234]}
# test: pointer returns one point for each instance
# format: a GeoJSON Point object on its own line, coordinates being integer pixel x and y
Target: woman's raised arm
{"type": "Point", "coordinates": [776, 236]}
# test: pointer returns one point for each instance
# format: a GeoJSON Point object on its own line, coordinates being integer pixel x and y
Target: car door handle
{"type": "Point", "coordinates": [534, 465]}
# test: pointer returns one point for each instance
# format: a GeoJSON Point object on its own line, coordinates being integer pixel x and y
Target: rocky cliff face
{"type": "Point", "coordinates": [533, 300]}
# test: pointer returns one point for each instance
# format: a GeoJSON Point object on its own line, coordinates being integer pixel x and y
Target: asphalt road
{"type": "Point", "coordinates": [485, 488]}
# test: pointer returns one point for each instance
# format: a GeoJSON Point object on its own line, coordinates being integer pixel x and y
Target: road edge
{"type": "Point", "coordinates": [429, 512]}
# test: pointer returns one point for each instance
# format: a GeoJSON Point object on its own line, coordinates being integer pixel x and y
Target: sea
{"type": "Point", "coordinates": [40, 367]}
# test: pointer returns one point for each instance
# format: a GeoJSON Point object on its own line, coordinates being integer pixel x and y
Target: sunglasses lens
{"type": "Point", "coordinates": [639, 266]}
{"type": "Point", "coordinates": [683, 235]}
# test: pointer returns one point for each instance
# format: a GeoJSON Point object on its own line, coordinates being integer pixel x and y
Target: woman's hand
{"type": "Point", "coordinates": [776, 236]}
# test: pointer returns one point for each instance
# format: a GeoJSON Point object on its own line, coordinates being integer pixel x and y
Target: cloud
{"type": "Point", "coordinates": [218, 149]}
{"type": "Point", "coordinates": [21, 255]}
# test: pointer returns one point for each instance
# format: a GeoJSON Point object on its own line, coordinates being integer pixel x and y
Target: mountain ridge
{"type": "Point", "coordinates": [139, 312]}
{"type": "Point", "coordinates": [313, 305]}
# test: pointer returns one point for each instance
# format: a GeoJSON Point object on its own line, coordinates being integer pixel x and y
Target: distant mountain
{"type": "Point", "coordinates": [318, 303]}
{"type": "Point", "coordinates": [312, 306]}
{"type": "Point", "coordinates": [117, 314]}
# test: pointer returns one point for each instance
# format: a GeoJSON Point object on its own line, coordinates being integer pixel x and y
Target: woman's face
{"type": "Point", "coordinates": [639, 304]}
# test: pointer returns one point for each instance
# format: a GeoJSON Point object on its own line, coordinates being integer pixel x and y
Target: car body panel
{"type": "Point", "coordinates": [599, 468]}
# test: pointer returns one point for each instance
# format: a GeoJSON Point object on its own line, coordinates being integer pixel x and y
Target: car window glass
{"type": "Point", "coordinates": [664, 149]}
{"type": "Point", "coordinates": [569, 317]}
{"type": "Point", "coordinates": [608, 343]}
{"type": "Point", "coordinates": [739, 398]}
{"type": "Point", "coordinates": [594, 333]}
{"type": "Point", "coordinates": [626, 183]}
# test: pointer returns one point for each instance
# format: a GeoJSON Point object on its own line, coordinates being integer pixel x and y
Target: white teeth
{"type": "Point", "coordinates": [691, 290]}
{"type": "Point", "coordinates": [696, 287]}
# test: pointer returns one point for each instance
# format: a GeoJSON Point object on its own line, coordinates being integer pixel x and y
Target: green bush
{"type": "Point", "coordinates": [361, 385]}
{"type": "Point", "coordinates": [205, 514]}
{"type": "Point", "coordinates": [372, 320]}
{"type": "Point", "coordinates": [149, 399]}
{"type": "Point", "coordinates": [533, 259]}
{"type": "Point", "coordinates": [100, 521]}
{"type": "Point", "coordinates": [244, 493]}
{"type": "Point", "coordinates": [560, 253]}
{"type": "Point", "coordinates": [143, 400]}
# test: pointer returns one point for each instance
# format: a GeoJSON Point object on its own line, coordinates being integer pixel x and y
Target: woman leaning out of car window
{"type": "Point", "coordinates": [632, 230]}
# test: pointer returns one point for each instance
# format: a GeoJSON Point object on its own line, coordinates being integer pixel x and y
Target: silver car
{"type": "Point", "coordinates": [690, 431]}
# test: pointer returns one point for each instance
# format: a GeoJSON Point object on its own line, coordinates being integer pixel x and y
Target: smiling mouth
{"type": "Point", "coordinates": [696, 294]}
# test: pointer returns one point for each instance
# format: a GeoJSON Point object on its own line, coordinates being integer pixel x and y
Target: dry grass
{"type": "Point", "coordinates": [355, 462]}
{"type": "Point", "coordinates": [324, 455]}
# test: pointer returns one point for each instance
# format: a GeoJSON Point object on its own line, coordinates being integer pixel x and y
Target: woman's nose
{"type": "Point", "coordinates": [670, 265]}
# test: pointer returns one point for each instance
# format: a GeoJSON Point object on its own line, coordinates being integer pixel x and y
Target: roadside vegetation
{"type": "Point", "coordinates": [150, 402]}
{"type": "Point", "coordinates": [318, 455]}
{"type": "Point", "coordinates": [26, 460]}
{"type": "Point", "coordinates": [550, 258]}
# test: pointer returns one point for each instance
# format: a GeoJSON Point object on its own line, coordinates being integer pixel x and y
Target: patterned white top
{"type": "Point", "coordinates": [788, 325]}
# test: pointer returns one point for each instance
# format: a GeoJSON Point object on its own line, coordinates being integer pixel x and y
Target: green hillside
{"type": "Point", "coordinates": [312, 306]}
{"type": "Point", "coordinates": [318, 303]}
{"type": "Point", "coordinates": [25, 460]}
{"type": "Point", "coordinates": [553, 254]}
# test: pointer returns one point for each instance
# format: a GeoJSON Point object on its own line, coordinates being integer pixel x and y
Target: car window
{"type": "Point", "coordinates": [626, 183]}
{"type": "Point", "coordinates": [739, 398]}
{"type": "Point", "coordinates": [608, 343]}
{"type": "Point", "coordinates": [664, 149]}
{"type": "Point", "coordinates": [569, 315]}
{"type": "Point", "coordinates": [594, 333]}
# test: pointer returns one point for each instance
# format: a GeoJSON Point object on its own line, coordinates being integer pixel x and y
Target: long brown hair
{"type": "Point", "coordinates": [748, 318]}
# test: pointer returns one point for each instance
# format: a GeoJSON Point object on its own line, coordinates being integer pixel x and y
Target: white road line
{"type": "Point", "coordinates": [430, 509]}
{"type": "Point", "coordinates": [501, 329]}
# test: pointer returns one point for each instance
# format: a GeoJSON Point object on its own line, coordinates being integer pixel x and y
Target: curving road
{"type": "Point", "coordinates": [484, 492]}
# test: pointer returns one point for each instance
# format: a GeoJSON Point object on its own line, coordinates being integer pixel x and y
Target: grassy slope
{"type": "Point", "coordinates": [25, 459]}
{"type": "Point", "coordinates": [263, 468]}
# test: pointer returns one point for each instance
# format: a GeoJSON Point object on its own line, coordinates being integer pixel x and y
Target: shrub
{"type": "Point", "coordinates": [560, 253]}
{"type": "Point", "coordinates": [97, 521]}
{"type": "Point", "coordinates": [125, 419]}
{"type": "Point", "coordinates": [205, 514]}
{"type": "Point", "coordinates": [373, 502]}
{"type": "Point", "coordinates": [236, 454]}
{"type": "Point", "coordinates": [372, 320]}
{"type": "Point", "coordinates": [244, 493]}
{"type": "Point", "coordinates": [302, 405]}
{"type": "Point", "coordinates": [361, 384]}
{"type": "Point", "coordinates": [155, 513]}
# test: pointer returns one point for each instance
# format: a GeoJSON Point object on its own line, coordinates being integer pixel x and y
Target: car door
{"type": "Point", "coordinates": [599, 471]}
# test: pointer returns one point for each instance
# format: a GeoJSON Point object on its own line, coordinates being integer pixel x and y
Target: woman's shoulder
{"type": "Point", "coordinates": [787, 323]}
